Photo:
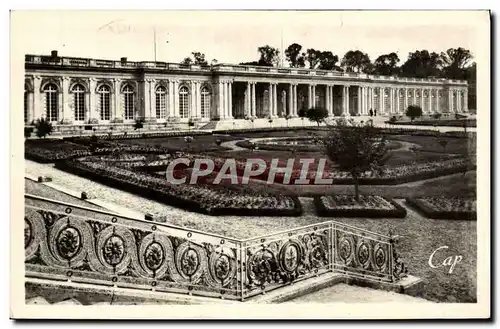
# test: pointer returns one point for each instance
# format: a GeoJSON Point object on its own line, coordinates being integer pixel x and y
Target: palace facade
{"type": "Point", "coordinates": [79, 91]}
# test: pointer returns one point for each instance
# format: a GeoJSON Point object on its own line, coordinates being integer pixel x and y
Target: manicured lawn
{"type": "Point", "coordinates": [201, 143]}
{"type": "Point", "coordinates": [431, 144]}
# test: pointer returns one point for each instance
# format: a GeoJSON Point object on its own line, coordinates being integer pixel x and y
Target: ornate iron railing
{"type": "Point", "coordinates": [68, 242]}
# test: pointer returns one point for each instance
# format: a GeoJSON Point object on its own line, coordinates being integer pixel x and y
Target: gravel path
{"type": "Point", "coordinates": [344, 293]}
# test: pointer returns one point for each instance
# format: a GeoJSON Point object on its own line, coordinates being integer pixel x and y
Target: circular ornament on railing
{"type": "Point", "coordinates": [154, 255]}
{"type": "Point", "coordinates": [346, 247]}
{"type": "Point", "coordinates": [191, 261]}
{"type": "Point", "coordinates": [113, 250]}
{"type": "Point", "coordinates": [261, 265]}
{"type": "Point", "coordinates": [290, 255]}
{"type": "Point", "coordinates": [318, 256]}
{"type": "Point", "coordinates": [68, 242]}
{"type": "Point", "coordinates": [363, 254]}
{"type": "Point", "coordinates": [380, 257]}
{"type": "Point", "coordinates": [222, 267]}
{"type": "Point", "coordinates": [28, 233]}
{"type": "Point", "coordinates": [68, 210]}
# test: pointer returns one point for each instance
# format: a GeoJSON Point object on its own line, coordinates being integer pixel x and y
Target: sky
{"type": "Point", "coordinates": [233, 37]}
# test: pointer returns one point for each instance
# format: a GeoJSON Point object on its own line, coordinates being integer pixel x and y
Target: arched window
{"type": "Point", "coordinates": [184, 102]}
{"type": "Point", "coordinates": [205, 102]}
{"type": "Point", "coordinates": [161, 102]}
{"type": "Point", "coordinates": [103, 105]}
{"type": "Point", "coordinates": [51, 102]}
{"type": "Point", "coordinates": [79, 102]}
{"type": "Point", "coordinates": [129, 102]}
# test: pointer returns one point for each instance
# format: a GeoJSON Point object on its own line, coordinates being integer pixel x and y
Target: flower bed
{"type": "Point", "coordinates": [47, 151]}
{"type": "Point", "coordinates": [214, 201]}
{"type": "Point", "coordinates": [136, 135]}
{"type": "Point", "coordinates": [370, 206]}
{"type": "Point", "coordinates": [442, 207]}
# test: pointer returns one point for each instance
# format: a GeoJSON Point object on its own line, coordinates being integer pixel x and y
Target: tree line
{"type": "Point", "coordinates": [454, 63]}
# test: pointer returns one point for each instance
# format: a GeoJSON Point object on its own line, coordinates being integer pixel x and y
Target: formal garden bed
{"type": "Point", "coordinates": [443, 207]}
{"type": "Point", "coordinates": [52, 150]}
{"type": "Point", "coordinates": [370, 206]}
{"type": "Point", "coordinates": [213, 200]}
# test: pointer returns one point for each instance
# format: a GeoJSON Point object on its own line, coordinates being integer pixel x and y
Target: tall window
{"type": "Point", "coordinates": [129, 102]}
{"type": "Point", "coordinates": [205, 103]}
{"type": "Point", "coordinates": [184, 102]}
{"type": "Point", "coordinates": [103, 98]}
{"type": "Point", "coordinates": [79, 102]}
{"type": "Point", "coordinates": [425, 97]}
{"type": "Point", "coordinates": [51, 102]}
{"type": "Point", "coordinates": [161, 102]}
{"type": "Point", "coordinates": [25, 104]}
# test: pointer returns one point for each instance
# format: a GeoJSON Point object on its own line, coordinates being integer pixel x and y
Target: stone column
{"type": "Point", "coordinates": [170, 108]}
{"type": "Point", "coordinates": [429, 92]}
{"type": "Point", "coordinates": [438, 101]}
{"type": "Point", "coordinates": [193, 113]}
{"type": "Point", "coordinates": [346, 101]}
{"type": "Point", "coordinates": [275, 99]}
{"type": "Point", "coordinates": [295, 109]}
{"type": "Point", "coordinates": [230, 100]}
{"type": "Point", "coordinates": [145, 107]}
{"type": "Point", "coordinates": [37, 104]}
{"type": "Point", "coordinates": [382, 100]}
{"type": "Point", "coordinates": [254, 109]}
{"type": "Point", "coordinates": [406, 100]}
{"type": "Point", "coordinates": [466, 101]}
{"type": "Point", "coordinates": [332, 100]}
{"type": "Point", "coordinates": [358, 109]}
{"type": "Point", "coordinates": [220, 103]}
{"type": "Point", "coordinates": [248, 102]}
{"type": "Point", "coordinates": [290, 100]}
{"type": "Point", "coordinates": [117, 110]}
{"type": "Point", "coordinates": [175, 109]}
{"type": "Point", "coordinates": [66, 103]}
{"type": "Point", "coordinates": [90, 103]}
{"type": "Point", "coordinates": [450, 101]}
{"type": "Point", "coordinates": [309, 97]}
{"type": "Point", "coordinates": [152, 100]}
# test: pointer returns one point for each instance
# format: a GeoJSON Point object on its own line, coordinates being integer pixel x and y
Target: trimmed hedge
{"type": "Point", "coordinates": [143, 135]}
{"type": "Point", "coordinates": [399, 212]}
{"type": "Point", "coordinates": [432, 213]}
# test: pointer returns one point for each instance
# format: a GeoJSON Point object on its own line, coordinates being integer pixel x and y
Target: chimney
{"type": "Point", "coordinates": [53, 53]}
{"type": "Point", "coordinates": [123, 60]}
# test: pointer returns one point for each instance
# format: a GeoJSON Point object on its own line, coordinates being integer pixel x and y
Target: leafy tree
{"type": "Point", "coordinates": [454, 62]}
{"type": "Point", "coordinates": [187, 61]}
{"type": "Point", "coordinates": [43, 128]}
{"type": "Point", "coordinates": [328, 61]}
{"type": "Point", "coordinates": [422, 64]}
{"type": "Point", "coordinates": [302, 114]}
{"type": "Point", "coordinates": [313, 56]}
{"type": "Point", "coordinates": [356, 148]}
{"type": "Point", "coordinates": [317, 114]}
{"type": "Point", "coordinates": [413, 111]}
{"type": "Point", "coordinates": [268, 55]}
{"type": "Point", "coordinates": [355, 61]}
{"type": "Point", "coordinates": [437, 116]}
{"type": "Point", "coordinates": [294, 56]}
{"type": "Point", "coordinates": [199, 58]}
{"type": "Point", "coordinates": [386, 64]}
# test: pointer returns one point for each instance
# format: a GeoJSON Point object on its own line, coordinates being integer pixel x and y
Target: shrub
{"type": "Point", "coordinates": [393, 119]}
{"type": "Point", "coordinates": [413, 112]}
{"type": "Point", "coordinates": [317, 114]}
{"type": "Point", "coordinates": [139, 124]}
{"type": "Point", "coordinates": [28, 131]}
{"type": "Point", "coordinates": [368, 206]}
{"type": "Point", "coordinates": [43, 128]}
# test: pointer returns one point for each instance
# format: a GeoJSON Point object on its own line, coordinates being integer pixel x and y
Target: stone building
{"type": "Point", "coordinates": [73, 92]}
